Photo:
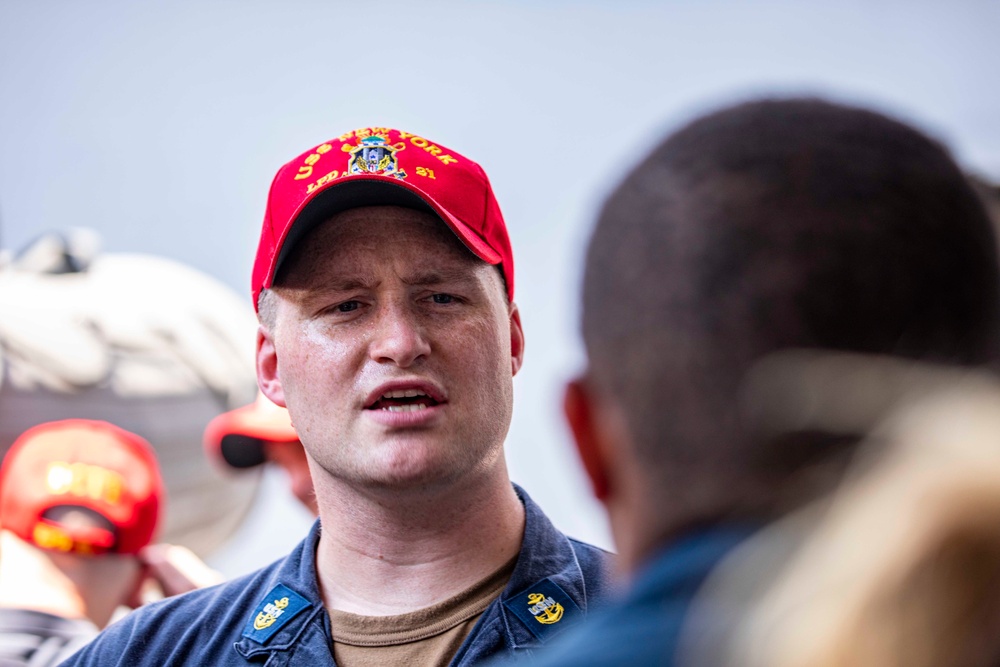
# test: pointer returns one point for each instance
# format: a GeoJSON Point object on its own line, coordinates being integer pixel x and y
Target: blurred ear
{"type": "Point", "coordinates": [516, 340]}
{"type": "Point", "coordinates": [267, 368]}
{"type": "Point", "coordinates": [580, 411]}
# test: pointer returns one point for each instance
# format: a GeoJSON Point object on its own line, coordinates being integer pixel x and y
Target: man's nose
{"type": "Point", "coordinates": [399, 336]}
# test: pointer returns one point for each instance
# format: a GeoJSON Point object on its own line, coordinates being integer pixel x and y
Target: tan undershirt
{"type": "Point", "coordinates": [429, 636]}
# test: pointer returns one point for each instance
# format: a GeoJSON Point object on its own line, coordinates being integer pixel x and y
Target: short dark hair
{"type": "Point", "coordinates": [770, 225]}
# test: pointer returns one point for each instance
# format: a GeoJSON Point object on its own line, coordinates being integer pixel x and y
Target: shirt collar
{"type": "Point", "coordinates": [545, 554]}
{"type": "Point", "coordinates": [297, 571]}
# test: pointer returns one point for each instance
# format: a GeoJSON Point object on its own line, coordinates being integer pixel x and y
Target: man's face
{"type": "Point", "coordinates": [393, 348]}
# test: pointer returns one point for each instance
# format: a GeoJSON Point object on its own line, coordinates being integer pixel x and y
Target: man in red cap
{"type": "Point", "coordinates": [80, 503]}
{"type": "Point", "coordinates": [384, 283]}
{"type": "Point", "coordinates": [79, 500]}
{"type": "Point", "coordinates": [259, 433]}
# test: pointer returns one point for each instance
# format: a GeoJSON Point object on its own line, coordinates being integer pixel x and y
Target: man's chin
{"type": "Point", "coordinates": [415, 471]}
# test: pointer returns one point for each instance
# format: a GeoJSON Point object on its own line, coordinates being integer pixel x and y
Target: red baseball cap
{"type": "Point", "coordinates": [379, 166]}
{"type": "Point", "coordinates": [238, 436]}
{"type": "Point", "coordinates": [57, 471]}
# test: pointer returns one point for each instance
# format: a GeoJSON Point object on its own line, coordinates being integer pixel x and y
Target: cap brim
{"type": "Point", "coordinates": [242, 451]}
{"type": "Point", "coordinates": [374, 190]}
{"type": "Point", "coordinates": [89, 539]}
{"type": "Point", "coordinates": [238, 436]}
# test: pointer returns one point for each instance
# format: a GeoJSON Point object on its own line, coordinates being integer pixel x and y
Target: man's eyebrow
{"type": "Point", "coordinates": [345, 284]}
{"type": "Point", "coordinates": [328, 288]}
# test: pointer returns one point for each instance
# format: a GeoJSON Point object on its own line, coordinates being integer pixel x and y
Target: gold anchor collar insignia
{"type": "Point", "coordinates": [278, 607]}
{"type": "Point", "coordinates": [545, 609]}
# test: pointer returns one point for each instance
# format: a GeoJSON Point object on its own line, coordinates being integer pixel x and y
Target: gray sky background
{"type": "Point", "coordinates": [161, 125]}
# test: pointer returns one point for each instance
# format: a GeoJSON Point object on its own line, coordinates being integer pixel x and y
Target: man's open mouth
{"type": "Point", "coordinates": [403, 400]}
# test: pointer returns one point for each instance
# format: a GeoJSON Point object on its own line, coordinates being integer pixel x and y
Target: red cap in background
{"type": "Point", "coordinates": [57, 472]}
{"type": "Point", "coordinates": [237, 437]}
{"type": "Point", "coordinates": [381, 167]}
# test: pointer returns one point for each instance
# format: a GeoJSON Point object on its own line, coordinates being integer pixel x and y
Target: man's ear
{"type": "Point", "coordinates": [580, 412]}
{"type": "Point", "coordinates": [516, 340]}
{"type": "Point", "coordinates": [268, 378]}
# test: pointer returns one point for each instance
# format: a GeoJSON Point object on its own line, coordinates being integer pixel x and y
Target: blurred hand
{"type": "Point", "coordinates": [170, 569]}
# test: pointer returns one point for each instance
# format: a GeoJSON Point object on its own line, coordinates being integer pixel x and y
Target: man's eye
{"type": "Point", "coordinates": [443, 298]}
{"type": "Point", "coordinates": [347, 306]}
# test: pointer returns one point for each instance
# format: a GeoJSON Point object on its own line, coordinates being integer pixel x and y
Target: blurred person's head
{"type": "Point", "coordinates": [259, 433]}
{"type": "Point", "coordinates": [79, 499]}
{"type": "Point", "coordinates": [765, 226]}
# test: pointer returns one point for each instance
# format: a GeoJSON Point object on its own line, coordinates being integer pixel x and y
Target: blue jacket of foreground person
{"type": "Point", "coordinates": [276, 615]}
{"type": "Point", "coordinates": [645, 626]}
